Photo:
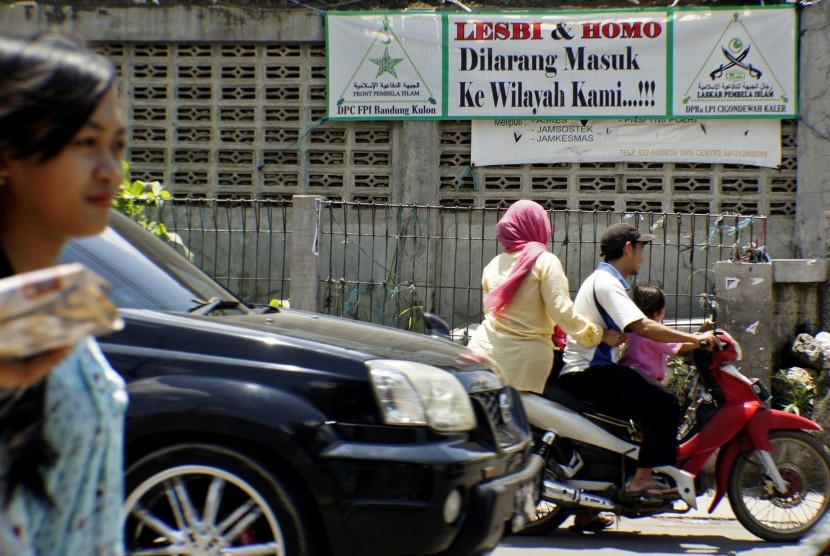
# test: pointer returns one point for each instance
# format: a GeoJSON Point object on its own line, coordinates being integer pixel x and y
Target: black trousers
{"type": "Point", "coordinates": [624, 392]}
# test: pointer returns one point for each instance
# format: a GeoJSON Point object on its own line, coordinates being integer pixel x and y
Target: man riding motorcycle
{"type": "Point", "coordinates": [593, 374]}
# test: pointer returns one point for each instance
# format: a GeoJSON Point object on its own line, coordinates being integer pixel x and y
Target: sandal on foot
{"type": "Point", "coordinates": [595, 525]}
{"type": "Point", "coordinates": [656, 491]}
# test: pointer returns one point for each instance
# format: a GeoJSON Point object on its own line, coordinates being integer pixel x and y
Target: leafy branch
{"type": "Point", "coordinates": [136, 198]}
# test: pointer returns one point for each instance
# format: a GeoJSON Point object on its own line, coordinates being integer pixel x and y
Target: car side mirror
{"type": "Point", "coordinates": [436, 326]}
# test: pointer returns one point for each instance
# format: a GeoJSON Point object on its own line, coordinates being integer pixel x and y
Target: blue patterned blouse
{"type": "Point", "coordinates": [85, 405]}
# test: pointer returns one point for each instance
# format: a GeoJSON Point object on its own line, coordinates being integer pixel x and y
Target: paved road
{"type": "Point", "coordinates": [691, 534]}
{"type": "Point", "coordinates": [651, 537]}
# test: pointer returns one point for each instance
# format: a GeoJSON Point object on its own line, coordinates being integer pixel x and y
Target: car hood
{"type": "Point", "coordinates": [364, 340]}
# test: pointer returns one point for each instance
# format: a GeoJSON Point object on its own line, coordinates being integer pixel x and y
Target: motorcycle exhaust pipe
{"type": "Point", "coordinates": [565, 495]}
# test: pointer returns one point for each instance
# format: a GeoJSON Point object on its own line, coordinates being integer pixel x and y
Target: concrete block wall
{"type": "Point", "coordinates": [764, 305]}
{"type": "Point", "coordinates": [264, 148]}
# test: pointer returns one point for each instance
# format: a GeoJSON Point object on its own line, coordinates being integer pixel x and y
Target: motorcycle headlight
{"type": "Point", "coordinates": [416, 394]}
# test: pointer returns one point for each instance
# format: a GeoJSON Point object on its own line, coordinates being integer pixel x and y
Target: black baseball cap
{"type": "Point", "coordinates": [617, 235]}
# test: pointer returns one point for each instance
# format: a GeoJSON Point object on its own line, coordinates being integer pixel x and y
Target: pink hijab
{"type": "Point", "coordinates": [524, 227]}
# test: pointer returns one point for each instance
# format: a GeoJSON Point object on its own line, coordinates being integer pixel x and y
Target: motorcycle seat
{"type": "Point", "coordinates": [562, 396]}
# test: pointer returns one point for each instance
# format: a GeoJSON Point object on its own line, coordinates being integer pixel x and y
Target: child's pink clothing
{"type": "Point", "coordinates": [648, 356]}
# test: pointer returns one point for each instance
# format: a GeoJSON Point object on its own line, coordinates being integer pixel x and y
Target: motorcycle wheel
{"type": "Point", "coordinates": [804, 462]}
{"type": "Point", "coordinates": [549, 515]}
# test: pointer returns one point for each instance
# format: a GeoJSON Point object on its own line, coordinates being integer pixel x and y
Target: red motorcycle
{"type": "Point", "coordinates": [775, 473]}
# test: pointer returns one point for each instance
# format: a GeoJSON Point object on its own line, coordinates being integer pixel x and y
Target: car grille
{"type": "Point", "coordinates": [501, 419]}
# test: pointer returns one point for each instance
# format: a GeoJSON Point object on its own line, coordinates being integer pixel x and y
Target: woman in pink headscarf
{"type": "Point", "coordinates": [525, 296]}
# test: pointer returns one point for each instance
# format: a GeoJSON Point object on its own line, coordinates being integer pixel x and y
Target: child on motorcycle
{"type": "Point", "coordinates": [648, 356]}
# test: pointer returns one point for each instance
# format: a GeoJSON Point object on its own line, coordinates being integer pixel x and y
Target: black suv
{"type": "Point", "coordinates": [289, 433]}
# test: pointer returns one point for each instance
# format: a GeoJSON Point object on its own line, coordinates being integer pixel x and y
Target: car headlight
{"type": "Point", "coordinates": [416, 394]}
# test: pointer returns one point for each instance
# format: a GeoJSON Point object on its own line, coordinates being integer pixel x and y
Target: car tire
{"type": "Point", "coordinates": [196, 498]}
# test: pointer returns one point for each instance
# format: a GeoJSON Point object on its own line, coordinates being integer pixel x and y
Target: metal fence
{"type": "Point", "coordinates": [389, 263]}
{"type": "Point", "coordinates": [244, 245]}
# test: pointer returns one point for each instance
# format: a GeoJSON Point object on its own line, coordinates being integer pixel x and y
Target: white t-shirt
{"type": "Point", "coordinates": [612, 292]}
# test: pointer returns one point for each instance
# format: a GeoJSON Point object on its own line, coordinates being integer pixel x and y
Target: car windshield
{"type": "Point", "coordinates": [144, 273]}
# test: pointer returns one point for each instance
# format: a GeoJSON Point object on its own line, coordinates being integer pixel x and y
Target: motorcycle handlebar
{"type": "Point", "coordinates": [704, 344]}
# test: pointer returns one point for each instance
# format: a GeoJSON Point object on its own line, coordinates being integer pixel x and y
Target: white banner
{"type": "Point", "coordinates": [726, 63]}
{"type": "Point", "coordinates": [599, 63]}
{"type": "Point", "coordinates": [384, 66]}
{"type": "Point", "coordinates": [513, 141]}
{"type": "Point", "coordinates": [731, 63]}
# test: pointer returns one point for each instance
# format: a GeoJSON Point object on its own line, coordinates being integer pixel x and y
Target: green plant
{"type": "Point", "coordinates": [407, 309]}
{"type": "Point", "coordinates": [414, 315]}
{"type": "Point", "coordinates": [793, 392]}
{"type": "Point", "coordinates": [137, 199]}
{"type": "Point", "coordinates": [679, 379]}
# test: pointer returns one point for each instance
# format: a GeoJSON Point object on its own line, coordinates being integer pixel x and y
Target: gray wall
{"type": "Point", "coordinates": [812, 237]}
{"type": "Point", "coordinates": [764, 305]}
{"type": "Point", "coordinates": [421, 161]}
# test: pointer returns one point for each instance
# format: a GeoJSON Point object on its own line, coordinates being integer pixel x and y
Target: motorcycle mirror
{"type": "Point", "coordinates": [436, 326]}
{"type": "Point", "coordinates": [710, 305]}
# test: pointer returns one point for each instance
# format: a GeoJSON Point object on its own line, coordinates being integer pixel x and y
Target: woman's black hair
{"type": "Point", "coordinates": [49, 86]}
{"type": "Point", "coordinates": [649, 298]}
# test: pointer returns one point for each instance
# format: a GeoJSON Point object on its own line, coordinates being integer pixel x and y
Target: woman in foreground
{"type": "Point", "coordinates": [61, 437]}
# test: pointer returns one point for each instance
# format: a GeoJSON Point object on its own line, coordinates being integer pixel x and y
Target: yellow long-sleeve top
{"type": "Point", "coordinates": [519, 339]}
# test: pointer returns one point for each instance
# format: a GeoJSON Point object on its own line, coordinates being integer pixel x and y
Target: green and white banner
{"type": "Point", "coordinates": [385, 66]}
{"type": "Point", "coordinates": [732, 63]}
